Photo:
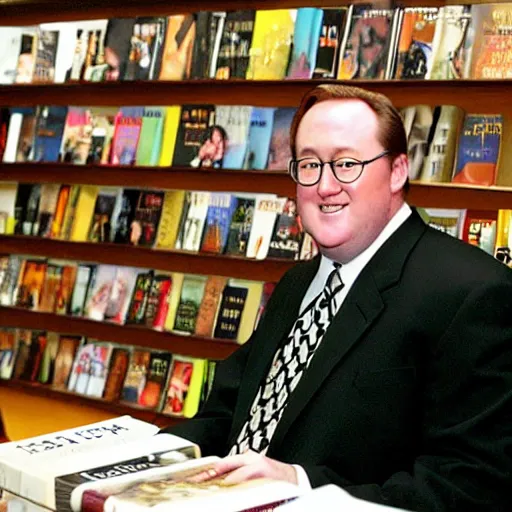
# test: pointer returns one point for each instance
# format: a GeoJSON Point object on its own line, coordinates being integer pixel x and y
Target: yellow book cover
{"type": "Point", "coordinates": [171, 124]}
{"type": "Point", "coordinates": [83, 213]}
{"type": "Point", "coordinates": [252, 303]}
{"type": "Point", "coordinates": [271, 44]}
{"type": "Point", "coordinates": [170, 219]}
{"type": "Point", "coordinates": [8, 192]}
{"type": "Point", "coordinates": [174, 300]}
{"type": "Point", "coordinates": [195, 388]}
{"type": "Point", "coordinates": [504, 169]}
{"type": "Point", "coordinates": [69, 213]}
{"type": "Point", "coordinates": [503, 247]}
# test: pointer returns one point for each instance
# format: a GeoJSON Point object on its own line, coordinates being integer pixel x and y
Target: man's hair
{"type": "Point", "coordinates": [391, 131]}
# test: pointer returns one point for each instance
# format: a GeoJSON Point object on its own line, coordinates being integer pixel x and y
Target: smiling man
{"type": "Point", "coordinates": [384, 365]}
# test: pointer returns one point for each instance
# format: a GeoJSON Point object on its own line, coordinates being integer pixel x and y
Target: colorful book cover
{"type": "Point", "coordinates": [479, 229]}
{"type": "Point", "coordinates": [491, 56]}
{"type": "Point", "coordinates": [415, 43]}
{"type": "Point", "coordinates": [478, 151]}
{"type": "Point", "coordinates": [329, 42]}
{"type": "Point", "coordinates": [442, 143]}
{"type": "Point", "coordinates": [8, 351]}
{"type": "Point", "coordinates": [218, 218]}
{"type": "Point", "coordinates": [83, 278]}
{"type": "Point", "coordinates": [65, 290]}
{"type": "Point", "coordinates": [68, 346]}
{"type": "Point", "coordinates": [139, 299]}
{"type": "Point", "coordinates": [367, 49]}
{"type": "Point", "coordinates": [191, 294]}
{"type": "Point", "coordinates": [76, 138]}
{"type": "Point", "coordinates": [235, 44]}
{"type": "Point", "coordinates": [240, 226]}
{"type": "Point", "coordinates": [129, 201]}
{"type": "Point", "coordinates": [271, 44]}
{"type": "Point", "coordinates": [102, 228]}
{"type": "Point", "coordinates": [288, 233]}
{"type": "Point", "coordinates": [259, 137]}
{"type": "Point", "coordinates": [98, 56]}
{"type": "Point", "coordinates": [195, 132]}
{"type": "Point", "coordinates": [207, 43]}
{"type": "Point", "coordinates": [230, 312]}
{"type": "Point", "coordinates": [144, 226]}
{"type": "Point", "coordinates": [99, 296]}
{"type": "Point", "coordinates": [23, 120]}
{"type": "Point", "coordinates": [122, 291]}
{"type": "Point", "coordinates": [69, 213]}
{"type": "Point", "coordinates": [111, 51]}
{"type": "Point", "coordinates": [26, 209]}
{"type": "Point", "coordinates": [159, 296]}
{"type": "Point", "coordinates": [503, 248]}
{"type": "Point", "coordinates": [50, 287]}
{"type": "Point", "coordinates": [127, 129]}
{"type": "Point", "coordinates": [60, 211]}
{"type": "Point", "coordinates": [446, 220]}
{"type": "Point", "coordinates": [207, 313]}
{"type": "Point", "coordinates": [150, 140]}
{"type": "Point", "coordinates": [46, 211]}
{"type": "Point", "coordinates": [192, 220]}
{"type": "Point", "coordinates": [234, 122]}
{"type": "Point", "coordinates": [146, 48]}
{"type": "Point", "coordinates": [81, 371]}
{"type": "Point", "coordinates": [173, 299]}
{"type": "Point", "coordinates": [449, 53]}
{"type": "Point", "coordinates": [151, 395]}
{"type": "Point", "coordinates": [30, 284]}
{"type": "Point", "coordinates": [308, 27]}
{"type": "Point", "coordinates": [119, 362]}
{"type": "Point", "coordinates": [47, 366]}
{"type": "Point", "coordinates": [178, 47]}
{"type": "Point", "coordinates": [279, 151]}
{"type": "Point", "coordinates": [102, 129]}
{"type": "Point", "coordinates": [11, 268]}
{"type": "Point", "coordinates": [136, 376]}
{"type": "Point", "coordinates": [170, 219]}
{"type": "Point", "coordinates": [46, 54]}
{"type": "Point", "coordinates": [171, 124]}
{"type": "Point", "coordinates": [48, 133]}
{"type": "Point", "coordinates": [180, 375]}
{"type": "Point", "coordinates": [99, 365]}
{"type": "Point", "coordinates": [82, 217]}
{"type": "Point", "coordinates": [23, 342]}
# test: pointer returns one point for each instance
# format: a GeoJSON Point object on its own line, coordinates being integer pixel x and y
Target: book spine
{"type": "Point", "coordinates": [92, 501]}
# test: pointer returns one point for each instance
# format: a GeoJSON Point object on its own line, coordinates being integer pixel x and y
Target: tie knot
{"type": "Point", "coordinates": [334, 282]}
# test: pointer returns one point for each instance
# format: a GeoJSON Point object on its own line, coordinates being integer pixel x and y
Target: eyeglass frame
{"type": "Point", "coordinates": [331, 163]}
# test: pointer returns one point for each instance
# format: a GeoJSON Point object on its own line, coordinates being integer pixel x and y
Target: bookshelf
{"type": "Point", "coordinates": [487, 96]}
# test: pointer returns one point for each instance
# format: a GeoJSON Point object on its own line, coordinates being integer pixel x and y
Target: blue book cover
{"type": "Point", "coordinates": [48, 134]}
{"type": "Point", "coordinates": [218, 221]}
{"type": "Point", "coordinates": [478, 150]}
{"type": "Point", "coordinates": [258, 143]}
{"type": "Point", "coordinates": [279, 152]}
{"type": "Point", "coordinates": [308, 26]}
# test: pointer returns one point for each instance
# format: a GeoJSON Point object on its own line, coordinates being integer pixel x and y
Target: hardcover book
{"type": "Point", "coordinates": [50, 287]}
{"type": "Point", "coordinates": [46, 210]}
{"type": "Point", "coordinates": [8, 350]}
{"type": "Point", "coordinates": [279, 152]}
{"type": "Point", "coordinates": [207, 313]}
{"type": "Point", "coordinates": [30, 284]}
{"type": "Point", "coordinates": [129, 201]}
{"type": "Point", "coordinates": [127, 129]}
{"type": "Point", "coordinates": [122, 290]}
{"type": "Point", "coordinates": [158, 301]}
{"type": "Point", "coordinates": [46, 55]}
{"type": "Point", "coordinates": [98, 369]}
{"type": "Point", "coordinates": [446, 220]}
{"type": "Point", "coordinates": [119, 361]}
{"type": "Point", "coordinates": [218, 218]}
{"type": "Point", "coordinates": [240, 226]}
{"type": "Point", "coordinates": [152, 394]}
{"type": "Point", "coordinates": [287, 236]}
{"type": "Point", "coordinates": [102, 224]}
{"type": "Point", "coordinates": [139, 299]}
{"type": "Point", "coordinates": [84, 274]}
{"type": "Point", "coordinates": [193, 218]}
{"type": "Point", "coordinates": [136, 375]}
{"type": "Point", "coordinates": [180, 376]}
{"type": "Point", "coordinates": [144, 227]}
{"type": "Point", "coordinates": [9, 52]}
{"type": "Point", "coordinates": [68, 346]}
{"type": "Point", "coordinates": [230, 312]}
{"type": "Point", "coordinates": [259, 137]}
{"type": "Point", "coordinates": [47, 366]}
{"type": "Point", "coordinates": [48, 133]}
{"type": "Point", "coordinates": [98, 297]}
{"type": "Point", "coordinates": [479, 229]}
{"type": "Point", "coordinates": [27, 56]}
{"type": "Point", "coordinates": [150, 139]}
{"type": "Point", "coordinates": [191, 295]}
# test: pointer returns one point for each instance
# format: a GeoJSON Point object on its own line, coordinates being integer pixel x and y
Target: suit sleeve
{"type": "Point", "coordinates": [464, 454]}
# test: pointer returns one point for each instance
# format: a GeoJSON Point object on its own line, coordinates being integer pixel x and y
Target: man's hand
{"type": "Point", "coordinates": [248, 466]}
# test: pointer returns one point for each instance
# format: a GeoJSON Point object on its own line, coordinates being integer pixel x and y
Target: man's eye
{"type": "Point", "coordinates": [345, 164]}
{"type": "Point", "coordinates": [309, 165]}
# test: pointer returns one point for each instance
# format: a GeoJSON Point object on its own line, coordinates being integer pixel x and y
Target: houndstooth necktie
{"type": "Point", "coordinates": [289, 364]}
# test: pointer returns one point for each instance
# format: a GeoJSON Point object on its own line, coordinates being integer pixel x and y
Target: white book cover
{"type": "Point", "coordinates": [98, 299]}
{"type": "Point", "coordinates": [190, 238]}
{"type": "Point", "coordinates": [8, 193]}
{"type": "Point", "coordinates": [65, 49]}
{"type": "Point", "coordinates": [98, 370]}
{"type": "Point", "coordinates": [13, 135]}
{"type": "Point", "coordinates": [121, 294]}
{"type": "Point", "coordinates": [9, 53]}
{"type": "Point", "coordinates": [265, 213]}
{"type": "Point", "coordinates": [80, 372]}
{"type": "Point", "coordinates": [29, 468]}
{"type": "Point", "coordinates": [447, 220]}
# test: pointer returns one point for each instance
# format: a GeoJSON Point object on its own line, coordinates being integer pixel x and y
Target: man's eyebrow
{"type": "Point", "coordinates": [340, 149]}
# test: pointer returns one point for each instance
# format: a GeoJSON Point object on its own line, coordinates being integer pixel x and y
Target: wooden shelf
{"type": "Point", "coordinates": [440, 195]}
{"type": "Point", "coordinates": [35, 388]}
{"type": "Point", "coordinates": [175, 261]}
{"type": "Point", "coordinates": [193, 346]}
{"type": "Point", "coordinates": [489, 96]}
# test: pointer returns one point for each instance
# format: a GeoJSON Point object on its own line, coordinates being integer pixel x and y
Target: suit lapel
{"type": "Point", "coordinates": [360, 309]}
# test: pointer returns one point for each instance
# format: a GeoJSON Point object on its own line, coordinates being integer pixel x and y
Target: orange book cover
{"type": "Point", "coordinates": [207, 313]}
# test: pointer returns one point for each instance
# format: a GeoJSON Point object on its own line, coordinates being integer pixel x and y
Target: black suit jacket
{"type": "Point", "coordinates": [408, 399]}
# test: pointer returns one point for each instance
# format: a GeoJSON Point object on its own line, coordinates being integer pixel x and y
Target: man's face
{"type": "Point", "coordinates": [345, 219]}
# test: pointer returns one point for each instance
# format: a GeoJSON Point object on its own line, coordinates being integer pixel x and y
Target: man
{"type": "Point", "coordinates": [393, 382]}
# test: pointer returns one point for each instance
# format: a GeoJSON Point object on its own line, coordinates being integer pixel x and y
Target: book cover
{"type": "Point", "coordinates": [207, 313]}
{"type": "Point", "coordinates": [240, 226]}
{"type": "Point", "coordinates": [449, 53]}
{"type": "Point", "coordinates": [446, 220]}
{"type": "Point", "coordinates": [218, 218]}
{"type": "Point", "coordinates": [136, 375]}
{"type": "Point", "coordinates": [69, 213]}
{"type": "Point", "coordinates": [144, 227]}
{"type": "Point", "coordinates": [159, 297]}
{"type": "Point", "coordinates": [235, 44]}
{"type": "Point", "coordinates": [120, 295]}
{"type": "Point", "coordinates": [35, 355]}
{"type": "Point", "coordinates": [415, 56]}
{"type": "Point", "coordinates": [60, 210]}
{"type": "Point", "coordinates": [5, 115]}
{"type": "Point", "coordinates": [191, 294]}
{"type": "Point", "coordinates": [128, 124]}
{"type": "Point", "coordinates": [102, 223]}
{"type": "Point", "coordinates": [82, 215]}
{"type": "Point", "coordinates": [8, 351]}
{"type": "Point", "coordinates": [46, 55]}
{"type": "Point", "coordinates": [48, 133]}
{"type": "Point", "coordinates": [68, 346]}
{"type": "Point", "coordinates": [139, 299]}
{"type": "Point", "coordinates": [27, 56]}
{"type": "Point", "coordinates": [288, 233]}
{"type": "Point", "coordinates": [171, 124]}
{"type": "Point", "coordinates": [230, 312]}
{"type": "Point", "coordinates": [180, 374]}
{"type": "Point", "coordinates": [271, 44]}
{"type": "Point", "coordinates": [146, 48]}
{"type": "Point", "coordinates": [128, 206]}
{"type": "Point", "coordinates": [119, 361]}
{"type": "Point", "coordinates": [308, 26]}
{"type": "Point", "coordinates": [308, 247]}
{"type": "Point", "coordinates": [9, 53]}
{"type": "Point", "coordinates": [478, 150]}
{"type": "Point", "coordinates": [479, 229]}
{"type": "Point", "coordinates": [24, 121]}
{"type": "Point", "coordinates": [23, 342]}
{"type": "Point", "coordinates": [367, 49]}
{"type": "Point", "coordinates": [259, 137]}
{"type": "Point", "coordinates": [503, 246]}
{"type": "Point", "coordinates": [279, 151]}
{"type": "Point", "coordinates": [192, 220]}
{"type": "Point", "coordinates": [10, 270]}
{"type": "Point", "coordinates": [47, 207]}
{"type": "Point", "coordinates": [170, 219]}
{"type": "Point", "coordinates": [84, 274]}
{"type": "Point", "coordinates": [99, 364]}
{"type": "Point", "coordinates": [30, 284]}
{"type": "Point", "coordinates": [65, 289]}
{"type": "Point", "coordinates": [50, 287]}
{"type": "Point", "coordinates": [173, 300]}
{"type": "Point", "coordinates": [47, 366]}
{"type": "Point", "coordinates": [150, 139]}
{"type": "Point", "coordinates": [99, 56]}
{"type": "Point", "coordinates": [81, 370]}
{"type": "Point", "coordinates": [26, 209]}
{"type": "Point", "coordinates": [76, 137]}
{"type": "Point", "coordinates": [329, 42]}
{"type": "Point", "coordinates": [152, 394]}
{"type": "Point", "coordinates": [194, 132]}
{"type": "Point", "coordinates": [178, 47]}
{"type": "Point", "coordinates": [99, 296]}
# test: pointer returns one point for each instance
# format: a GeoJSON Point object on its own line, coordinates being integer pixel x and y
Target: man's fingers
{"type": "Point", "coordinates": [243, 474]}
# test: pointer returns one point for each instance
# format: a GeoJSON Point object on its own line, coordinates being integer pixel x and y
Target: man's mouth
{"type": "Point", "coordinates": [331, 208]}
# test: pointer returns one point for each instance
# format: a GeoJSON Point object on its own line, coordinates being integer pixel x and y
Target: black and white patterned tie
{"type": "Point", "coordinates": [288, 366]}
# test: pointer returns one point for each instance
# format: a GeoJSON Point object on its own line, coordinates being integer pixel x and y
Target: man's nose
{"type": "Point", "coordinates": [328, 184]}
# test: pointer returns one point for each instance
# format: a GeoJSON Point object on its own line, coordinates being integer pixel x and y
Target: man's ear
{"type": "Point", "coordinates": [399, 173]}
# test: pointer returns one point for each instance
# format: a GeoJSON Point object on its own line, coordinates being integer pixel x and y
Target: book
{"type": "Point", "coordinates": [240, 226]}
{"type": "Point", "coordinates": [180, 376]}
{"type": "Point", "coordinates": [192, 221]}
{"type": "Point", "coordinates": [65, 288]}
{"type": "Point", "coordinates": [170, 219]}
{"type": "Point", "coordinates": [128, 125]}
{"type": "Point", "coordinates": [27, 55]}
{"type": "Point", "coordinates": [52, 279]}
{"type": "Point", "coordinates": [218, 218]}
{"type": "Point", "coordinates": [48, 133]}
{"type": "Point", "coordinates": [207, 313]}
{"type": "Point", "coordinates": [170, 130]}
{"type": "Point", "coordinates": [98, 296]}
{"type": "Point", "coordinates": [84, 274]}
{"type": "Point", "coordinates": [136, 375]}
{"type": "Point", "coordinates": [83, 212]}
{"type": "Point", "coordinates": [139, 299]}
{"type": "Point", "coordinates": [287, 235]}
{"type": "Point", "coordinates": [279, 151]}
{"type": "Point", "coordinates": [191, 294]}
{"type": "Point", "coordinates": [479, 229]}
{"type": "Point", "coordinates": [128, 206]}
{"type": "Point", "coordinates": [503, 246]}
{"type": "Point", "coordinates": [68, 346]}
{"type": "Point", "coordinates": [119, 361]}
{"type": "Point", "coordinates": [8, 350]}
{"type": "Point", "coordinates": [120, 295]}
{"type": "Point", "coordinates": [258, 138]}
{"type": "Point", "coordinates": [447, 220]}
{"type": "Point", "coordinates": [102, 223]}
{"type": "Point", "coordinates": [98, 369]}
{"type": "Point", "coordinates": [159, 296]}
{"type": "Point", "coordinates": [152, 393]}
{"type": "Point", "coordinates": [46, 210]}
{"type": "Point", "coordinates": [9, 52]}
{"type": "Point", "coordinates": [46, 56]}
{"type": "Point", "coordinates": [230, 312]}
{"type": "Point", "coordinates": [30, 284]}
{"type": "Point", "coordinates": [144, 226]}
{"type": "Point", "coordinates": [150, 138]}
{"type": "Point", "coordinates": [8, 193]}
